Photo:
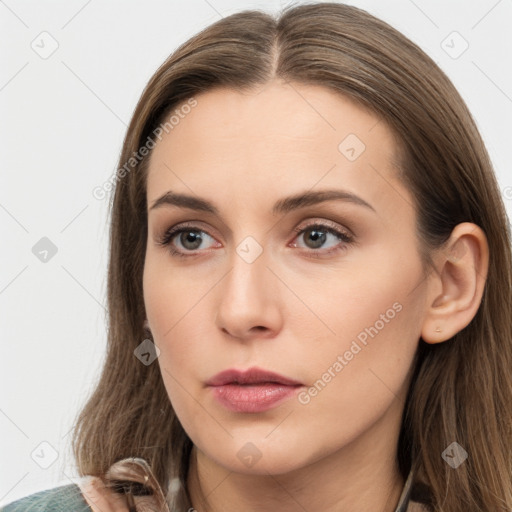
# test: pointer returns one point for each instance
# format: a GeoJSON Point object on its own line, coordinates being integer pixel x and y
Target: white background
{"type": "Point", "coordinates": [63, 120]}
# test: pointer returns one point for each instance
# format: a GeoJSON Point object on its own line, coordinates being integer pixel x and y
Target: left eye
{"type": "Point", "coordinates": [191, 238]}
{"type": "Point", "coordinates": [318, 233]}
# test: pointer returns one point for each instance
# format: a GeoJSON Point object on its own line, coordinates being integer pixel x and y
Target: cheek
{"type": "Point", "coordinates": [375, 324]}
{"type": "Point", "coordinates": [342, 304]}
{"type": "Point", "coordinates": [171, 305]}
{"type": "Point", "coordinates": [182, 328]}
{"type": "Point", "coordinates": [171, 295]}
{"type": "Point", "coordinates": [364, 375]}
{"type": "Point", "coordinates": [173, 312]}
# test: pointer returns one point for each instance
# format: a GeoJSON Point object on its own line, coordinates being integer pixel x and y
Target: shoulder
{"type": "Point", "coordinates": [66, 498]}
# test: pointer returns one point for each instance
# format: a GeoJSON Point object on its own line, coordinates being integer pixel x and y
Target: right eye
{"type": "Point", "coordinates": [189, 237]}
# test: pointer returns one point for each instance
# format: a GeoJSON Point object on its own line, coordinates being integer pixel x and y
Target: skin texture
{"type": "Point", "coordinates": [288, 311]}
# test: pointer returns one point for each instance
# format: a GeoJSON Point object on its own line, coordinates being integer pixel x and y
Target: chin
{"type": "Point", "coordinates": [255, 455]}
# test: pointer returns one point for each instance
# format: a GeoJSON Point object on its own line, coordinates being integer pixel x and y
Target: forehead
{"type": "Point", "coordinates": [272, 141]}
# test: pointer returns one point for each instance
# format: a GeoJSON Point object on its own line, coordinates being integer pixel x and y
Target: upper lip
{"type": "Point", "coordinates": [250, 376]}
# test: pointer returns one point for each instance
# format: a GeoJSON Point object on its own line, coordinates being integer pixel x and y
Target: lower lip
{"type": "Point", "coordinates": [253, 398]}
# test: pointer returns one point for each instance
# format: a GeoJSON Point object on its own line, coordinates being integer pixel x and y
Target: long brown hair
{"type": "Point", "coordinates": [461, 389]}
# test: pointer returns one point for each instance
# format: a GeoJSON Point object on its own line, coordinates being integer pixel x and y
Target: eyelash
{"type": "Point", "coordinates": [170, 234]}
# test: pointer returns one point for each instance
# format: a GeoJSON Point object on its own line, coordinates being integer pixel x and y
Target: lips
{"type": "Point", "coordinates": [253, 390]}
{"type": "Point", "coordinates": [249, 377]}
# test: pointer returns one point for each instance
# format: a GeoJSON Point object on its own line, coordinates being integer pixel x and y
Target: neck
{"type": "Point", "coordinates": [352, 479]}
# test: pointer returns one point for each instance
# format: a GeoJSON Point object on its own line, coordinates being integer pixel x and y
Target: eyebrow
{"type": "Point", "coordinates": [282, 206]}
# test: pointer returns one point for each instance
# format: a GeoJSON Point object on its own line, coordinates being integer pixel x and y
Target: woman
{"type": "Point", "coordinates": [309, 284]}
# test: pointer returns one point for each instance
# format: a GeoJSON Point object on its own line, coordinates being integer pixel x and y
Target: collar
{"type": "Point", "coordinates": [403, 502]}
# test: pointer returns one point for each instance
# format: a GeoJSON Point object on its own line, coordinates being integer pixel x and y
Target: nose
{"type": "Point", "coordinates": [249, 298]}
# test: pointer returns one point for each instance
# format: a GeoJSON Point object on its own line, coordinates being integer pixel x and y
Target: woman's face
{"type": "Point", "coordinates": [330, 293]}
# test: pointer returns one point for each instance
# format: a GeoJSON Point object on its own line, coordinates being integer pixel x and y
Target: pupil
{"type": "Point", "coordinates": [318, 237]}
{"type": "Point", "coordinates": [192, 237]}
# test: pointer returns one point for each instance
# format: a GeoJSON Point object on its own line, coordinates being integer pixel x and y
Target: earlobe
{"type": "Point", "coordinates": [457, 286]}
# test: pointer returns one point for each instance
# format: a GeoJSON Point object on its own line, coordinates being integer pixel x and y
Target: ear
{"type": "Point", "coordinates": [456, 287]}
